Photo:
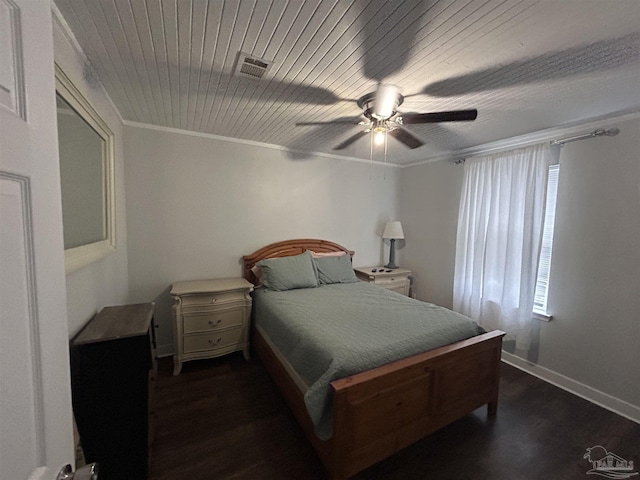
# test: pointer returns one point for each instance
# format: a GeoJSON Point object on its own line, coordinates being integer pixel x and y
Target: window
{"type": "Point", "coordinates": [544, 264]}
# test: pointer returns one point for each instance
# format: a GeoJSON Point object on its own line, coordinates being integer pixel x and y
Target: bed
{"type": "Point", "coordinates": [381, 410]}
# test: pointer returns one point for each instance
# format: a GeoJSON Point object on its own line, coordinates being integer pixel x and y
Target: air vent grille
{"type": "Point", "coordinates": [253, 67]}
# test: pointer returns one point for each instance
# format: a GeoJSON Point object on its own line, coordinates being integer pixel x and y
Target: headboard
{"type": "Point", "coordinates": [286, 249]}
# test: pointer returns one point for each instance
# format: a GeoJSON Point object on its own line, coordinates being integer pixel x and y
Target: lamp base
{"type": "Point", "coordinates": [392, 255]}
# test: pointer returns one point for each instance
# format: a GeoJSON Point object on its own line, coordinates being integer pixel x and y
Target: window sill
{"type": "Point", "coordinates": [545, 317]}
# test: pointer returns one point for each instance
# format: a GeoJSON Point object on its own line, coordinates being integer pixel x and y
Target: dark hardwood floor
{"type": "Point", "coordinates": [224, 418]}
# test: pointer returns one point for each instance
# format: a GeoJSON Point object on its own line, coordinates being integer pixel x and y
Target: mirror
{"type": "Point", "coordinates": [83, 189]}
{"type": "Point", "coordinates": [85, 146]}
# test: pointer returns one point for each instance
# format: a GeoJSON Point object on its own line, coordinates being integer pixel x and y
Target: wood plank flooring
{"type": "Point", "coordinates": [224, 419]}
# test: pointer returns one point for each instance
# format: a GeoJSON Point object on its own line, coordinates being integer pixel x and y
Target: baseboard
{"type": "Point", "coordinates": [601, 399]}
{"type": "Point", "coordinates": [164, 351]}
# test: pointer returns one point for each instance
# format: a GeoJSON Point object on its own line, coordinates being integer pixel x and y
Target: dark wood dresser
{"type": "Point", "coordinates": [113, 375]}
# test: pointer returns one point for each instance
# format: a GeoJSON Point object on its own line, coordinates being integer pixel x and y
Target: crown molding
{"type": "Point", "coordinates": [253, 143]}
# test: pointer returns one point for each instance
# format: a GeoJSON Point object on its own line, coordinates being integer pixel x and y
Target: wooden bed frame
{"type": "Point", "coordinates": [381, 411]}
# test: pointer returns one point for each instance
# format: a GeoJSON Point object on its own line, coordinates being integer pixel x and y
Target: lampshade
{"type": "Point", "coordinates": [393, 230]}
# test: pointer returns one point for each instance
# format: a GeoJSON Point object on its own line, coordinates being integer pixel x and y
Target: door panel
{"type": "Point", "coordinates": [20, 385]}
{"type": "Point", "coordinates": [35, 394]}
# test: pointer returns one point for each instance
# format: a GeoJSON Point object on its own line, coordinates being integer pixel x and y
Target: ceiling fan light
{"type": "Point", "coordinates": [385, 101]}
{"type": "Point", "coordinates": [378, 137]}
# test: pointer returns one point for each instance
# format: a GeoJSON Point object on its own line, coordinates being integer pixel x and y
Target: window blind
{"type": "Point", "coordinates": [544, 264]}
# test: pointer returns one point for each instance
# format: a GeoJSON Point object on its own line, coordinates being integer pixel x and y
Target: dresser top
{"type": "Point", "coordinates": [117, 322]}
{"type": "Point", "coordinates": [210, 286]}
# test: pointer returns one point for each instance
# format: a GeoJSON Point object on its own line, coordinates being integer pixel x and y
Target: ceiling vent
{"type": "Point", "coordinates": [250, 66]}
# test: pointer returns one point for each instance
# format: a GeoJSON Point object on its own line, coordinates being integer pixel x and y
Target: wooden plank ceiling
{"type": "Point", "coordinates": [526, 65]}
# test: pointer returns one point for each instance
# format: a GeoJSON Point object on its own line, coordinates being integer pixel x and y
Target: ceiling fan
{"type": "Point", "coordinates": [381, 118]}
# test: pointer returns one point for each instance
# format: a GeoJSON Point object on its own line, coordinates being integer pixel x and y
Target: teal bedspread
{"type": "Point", "coordinates": [334, 331]}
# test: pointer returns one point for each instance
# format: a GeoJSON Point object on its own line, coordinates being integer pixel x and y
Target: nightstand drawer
{"type": "Point", "coordinates": [207, 321]}
{"type": "Point", "coordinates": [212, 298]}
{"type": "Point", "coordinates": [391, 282]}
{"type": "Point", "coordinates": [402, 288]}
{"type": "Point", "coordinates": [399, 284]}
{"type": "Point", "coordinates": [223, 338]}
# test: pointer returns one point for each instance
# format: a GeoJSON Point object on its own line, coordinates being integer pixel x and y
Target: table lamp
{"type": "Point", "coordinates": [392, 231]}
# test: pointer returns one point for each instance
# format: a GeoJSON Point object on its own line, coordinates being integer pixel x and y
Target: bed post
{"type": "Point", "coordinates": [339, 447]}
{"type": "Point", "coordinates": [492, 406]}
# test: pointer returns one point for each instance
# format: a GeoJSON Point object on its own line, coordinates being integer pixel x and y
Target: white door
{"type": "Point", "coordinates": [36, 437]}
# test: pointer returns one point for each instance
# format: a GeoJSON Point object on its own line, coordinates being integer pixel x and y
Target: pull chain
{"type": "Point", "coordinates": [386, 139]}
{"type": "Point", "coordinates": [371, 155]}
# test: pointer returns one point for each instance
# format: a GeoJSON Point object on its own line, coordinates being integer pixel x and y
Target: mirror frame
{"type": "Point", "coordinates": [83, 255]}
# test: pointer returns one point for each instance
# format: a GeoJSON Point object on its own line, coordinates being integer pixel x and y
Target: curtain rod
{"type": "Point", "coordinates": [600, 132]}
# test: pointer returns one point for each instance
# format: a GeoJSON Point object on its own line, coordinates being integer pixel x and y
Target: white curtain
{"type": "Point", "coordinates": [500, 226]}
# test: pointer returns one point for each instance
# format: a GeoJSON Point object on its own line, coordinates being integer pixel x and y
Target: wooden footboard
{"type": "Point", "coordinates": [381, 411]}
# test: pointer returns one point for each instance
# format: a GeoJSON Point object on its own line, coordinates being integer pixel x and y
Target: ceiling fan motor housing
{"type": "Point", "coordinates": [381, 104]}
{"type": "Point", "coordinates": [385, 102]}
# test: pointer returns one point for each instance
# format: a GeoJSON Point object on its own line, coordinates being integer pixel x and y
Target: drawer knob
{"type": "Point", "coordinates": [214, 324]}
{"type": "Point", "coordinates": [211, 342]}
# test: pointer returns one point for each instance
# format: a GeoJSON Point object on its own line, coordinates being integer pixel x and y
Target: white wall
{"type": "Point", "coordinates": [196, 205]}
{"type": "Point", "coordinates": [104, 282]}
{"type": "Point", "coordinates": [429, 203]}
{"type": "Point", "coordinates": [595, 270]}
{"type": "Point", "coordinates": [594, 336]}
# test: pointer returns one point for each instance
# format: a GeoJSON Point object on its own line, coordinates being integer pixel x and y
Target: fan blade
{"type": "Point", "coordinates": [335, 122]}
{"type": "Point", "coordinates": [454, 116]}
{"type": "Point", "coordinates": [350, 140]}
{"type": "Point", "coordinates": [407, 138]}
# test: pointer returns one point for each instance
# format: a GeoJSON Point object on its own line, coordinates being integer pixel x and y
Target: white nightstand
{"type": "Point", "coordinates": [210, 318]}
{"type": "Point", "coordinates": [396, 279]}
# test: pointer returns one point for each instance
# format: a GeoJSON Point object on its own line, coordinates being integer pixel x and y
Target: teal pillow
{"type": "Point", "coordinates": [288, 273]}
{"type": "Point", "coordinates": [335, 270]}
